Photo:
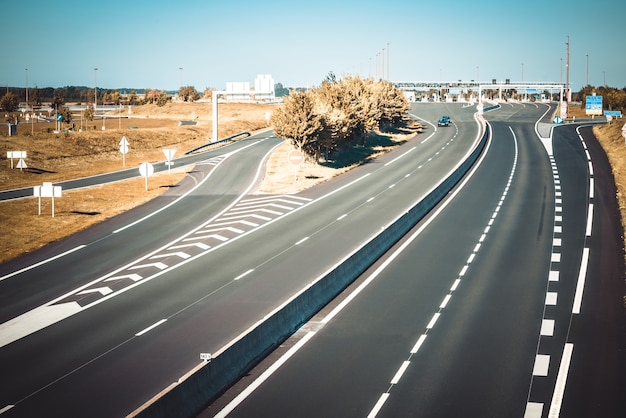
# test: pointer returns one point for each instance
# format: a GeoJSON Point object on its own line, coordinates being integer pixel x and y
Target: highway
{"type": "Point", "coordinates": [505, 302]}
{"type": "Point", "coordinates": [99, 323]}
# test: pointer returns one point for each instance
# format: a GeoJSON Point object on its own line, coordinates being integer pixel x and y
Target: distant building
{"type": "Point", "coordinates": [239, 91]}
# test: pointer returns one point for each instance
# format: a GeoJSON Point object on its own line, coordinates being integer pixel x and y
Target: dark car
{"type": "Point", "coordinates": [443, 121]}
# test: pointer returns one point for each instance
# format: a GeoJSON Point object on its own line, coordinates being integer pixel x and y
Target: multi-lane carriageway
{"type": "Point", "coordinates": [473, 293]}
{"type": "Point", "coordinates": [497, 305]}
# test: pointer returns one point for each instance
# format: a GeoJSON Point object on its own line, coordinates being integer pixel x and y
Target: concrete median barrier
{"type": "Point", "coordinates": [207, 381]}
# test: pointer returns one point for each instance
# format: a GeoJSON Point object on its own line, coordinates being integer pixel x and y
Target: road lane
{"type": "Point", "coordinates": [202, 303]}
{"type": "Point", "coordinates": [214, 187]}
{"type": "Point", "coordinates": [474, 283]}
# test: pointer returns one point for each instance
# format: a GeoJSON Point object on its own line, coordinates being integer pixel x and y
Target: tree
{"type": "Point", "coordinates": [162, 98]}
{"type": "Point", "coordinates": [58, 98]}
{"type": "Point", "coordinates": [132, 98]}
{"type": "Point", "coordinates": [34, 97]}
{"type": "Point", "coordinates": [66, 114]}
{"type": "Point", "coordinates": [9, 102]}
{"type": "Point", "coordinates": [88, 113]}
{"type": "Point", "coordinates": [188, 94]}
{"type": "Point", "coordinates": [208, 92]}
{"type": "Point", "coordinates": [297, 121]}
{"type": "Point", "coordinates": [280, 91]}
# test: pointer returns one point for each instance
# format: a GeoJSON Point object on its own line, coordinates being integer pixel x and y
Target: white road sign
{"type": "Point", "coordinates": [146, 170]}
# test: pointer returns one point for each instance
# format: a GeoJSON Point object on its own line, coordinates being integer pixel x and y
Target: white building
{"type": "Point", "coordinates": [241, 91]}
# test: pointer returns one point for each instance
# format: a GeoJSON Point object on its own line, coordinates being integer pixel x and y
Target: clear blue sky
{"type": "Point", "coordinates": [143, 44]}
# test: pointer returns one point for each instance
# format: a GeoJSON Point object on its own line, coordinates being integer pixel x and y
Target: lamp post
{"type": "Point", "coordinates": [388, 79]}
{"type": "Point", "coordinates": [587, 76]}
{"type": "Point", "coordinates": [95, 91]}
{"type": "Point", "coordinates": [26, 88]}
{"type": "Point", "coordinates": [181, 77]}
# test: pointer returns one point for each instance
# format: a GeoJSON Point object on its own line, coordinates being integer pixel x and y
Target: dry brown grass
{"type": "Point", "coordinates": [57, 157]}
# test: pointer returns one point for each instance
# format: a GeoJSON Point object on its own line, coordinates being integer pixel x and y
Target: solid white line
{"type": "Point", "coordinates": [559, 388]}
{"type": "Point", "coordinates": [580, 285]}
{"type": "Point", "coordinates": [264, 376]}
{"type": "Point", "coordinates": [15, 273]}
{"type": "Point", "coordinates": [378, 406]}
{"type": "Point", "coordinates": [400, 372]}
{"type": "Point", "coordinates": [140, 333]}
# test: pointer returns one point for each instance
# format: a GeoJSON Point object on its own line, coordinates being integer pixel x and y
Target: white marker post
{"type": "Point", "coordinates": [47, 190]}
{"type": "Point", "coordinates": [124, 150]}
{"type": "Point", "coordinates": [295, 158]}
{"type": "Point", "coordinates": [624, 132]}
{"type": "Point", "coordinates": [169, 154]}
{"type": "Point", "coordinates": [146, 170]}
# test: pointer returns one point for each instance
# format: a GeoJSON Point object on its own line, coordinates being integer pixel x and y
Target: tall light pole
{"type": "Point", "coordinates": [587, 77]}
{"type": "Point", "coordinates": [95, 91]}
{"type": "Point", "coordinates": [567, 92]}
{"type": "Point", "coordinates": [382, 67]}
{"type": "Point", "coordinates": [26, 88]}
{"type": "Point", "coordinates": [181, 77]}
{"type": "Point", "coordinates": [388, 78]}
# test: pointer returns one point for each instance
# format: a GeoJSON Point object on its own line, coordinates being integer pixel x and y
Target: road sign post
{"type": "Point", "coordinates": [19, 155]}
{"type": "Point", "coordinates": [47, 190]}
{"type": "Point", "coordinates": [146, 170]}
{"type": "Point", "coordinates": [124, 150]}
{"type": "Point", "coordinates": [295, 158]}
{"type": "Point", "coordinates": [169, 154]}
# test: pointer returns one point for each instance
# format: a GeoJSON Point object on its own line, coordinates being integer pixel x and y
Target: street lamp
{"type": "Point", "coordinates": [26, 88]}
{"type": "Point", "coordinates": [587, 77]}
{"type": "Point", "coordinates": [388, 79]}
{"type": "Point", "coordinates": [95, 91]}
{"type": "Point", "coordinates": [181, 77]}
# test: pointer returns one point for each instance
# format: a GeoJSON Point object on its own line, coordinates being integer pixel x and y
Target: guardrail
{"type": "Point", "coordinates": [199, 387]}
{"type": "Point", "coordinates": [244, 134]}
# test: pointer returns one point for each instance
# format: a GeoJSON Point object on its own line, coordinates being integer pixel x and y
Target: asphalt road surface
{"type": "Point", "coordinates": [505, 302]}
{"type": "Point", "coordinates": [97, 324]}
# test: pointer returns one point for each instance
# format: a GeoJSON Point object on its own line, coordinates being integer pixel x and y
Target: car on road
{"type": "Point", "coordinates": [443, 121]}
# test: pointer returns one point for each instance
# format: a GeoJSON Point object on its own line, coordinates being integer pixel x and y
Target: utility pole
{"type": "Point", "coordinates": [568, 93]}
{"type": "Point", "coordinates": [27, 89]}
{"type": "Point", "coordinates": [388, 78]}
